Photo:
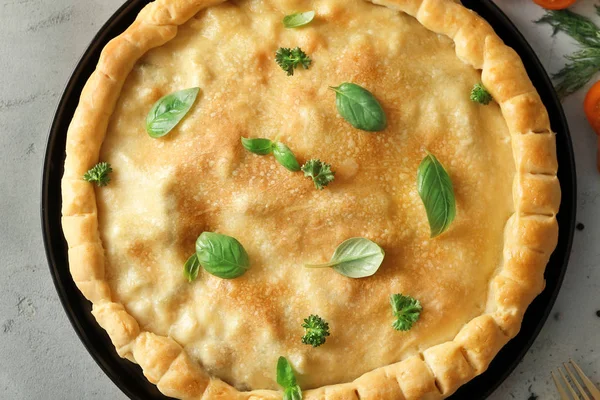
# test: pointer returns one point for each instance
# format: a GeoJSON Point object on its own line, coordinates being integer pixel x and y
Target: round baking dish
{"type": "Point", "coordinates": [128, 376]}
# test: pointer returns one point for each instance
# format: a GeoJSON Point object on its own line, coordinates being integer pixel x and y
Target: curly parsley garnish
{"type": "Point", "coordinates": [479, 94]}
{"type": "Point", "coordinates": [99, 174]}
{"type": "Point", "coordinates": [406, 310]}
{"type": "Point", "coordinates": [319, 171]}
{"type": "Point", "coordinates": [288, 59]}
{"type": "Point", "coordinates": [316, 330]}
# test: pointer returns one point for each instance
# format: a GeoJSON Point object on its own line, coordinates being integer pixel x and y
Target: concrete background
{"type": "Point", "coordinates": [40, 354]}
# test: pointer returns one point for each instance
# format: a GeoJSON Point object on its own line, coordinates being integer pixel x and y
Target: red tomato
{"type": "Point", "coordinates": [554, 4]}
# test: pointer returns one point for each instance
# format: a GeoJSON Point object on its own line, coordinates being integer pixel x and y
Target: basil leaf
{"type": "Point", "coordinates": [436, 191]}
{"type": "Point", "coordinates": [355, 258]}
{"type": "Point", "coordinates": [292, 393]}
{"type": "Point", "coordinates": [359, 107]}
{"type": "Point", "coordinates": [285, 374]}
{"type": "Point", "coordinates": [298, 19]}
{"type": "Point", "coordinates": [168, 111]}
{"type": "Point", "coordinates": [221, 255]}
{"type": "Point", "coordinates": [285, 157]}
{"type": "Point", "coordinates": [258, 146]}
{"type": "Point", "coordinates": [191, 267]}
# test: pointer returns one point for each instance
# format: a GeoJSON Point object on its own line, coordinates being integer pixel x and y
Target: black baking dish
{"type": "Point", "coordinates": [128, 376]}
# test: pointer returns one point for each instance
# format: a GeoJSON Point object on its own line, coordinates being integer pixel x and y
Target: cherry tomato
{"type": "Point", "coordinates": [554, 4]}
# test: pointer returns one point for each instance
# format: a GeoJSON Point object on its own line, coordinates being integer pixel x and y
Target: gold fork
{"type": "Point", "coordinates": [594, 392]}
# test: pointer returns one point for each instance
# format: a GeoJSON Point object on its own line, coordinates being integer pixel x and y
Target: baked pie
{"type": "Point", "coordinates": [218, 122]}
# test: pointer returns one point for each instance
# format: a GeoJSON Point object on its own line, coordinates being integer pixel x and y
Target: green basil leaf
{"type": "Point", "coordinates": [436, 191]}
{"type": "Point", "coordinates": [221, 255]}
{"type": "Point", "coordinates": [168, 111]}
{"type": "Point", "coordinates": [355, 258]}
{"type": "Point", "coordinates": [292, 393]}
{"type": "Point", "coordinates": [258, 146]}
{"type": "Point", "coordinates": [285, 373]}
{"type": "Point", "coordinates": [359, 107]}
{"type": "Point", "coordinates": [298, 19]}
{"type": "Point", "coordinates": [285, 157]}
{"type": "Point", "coordinates": [191, 267]}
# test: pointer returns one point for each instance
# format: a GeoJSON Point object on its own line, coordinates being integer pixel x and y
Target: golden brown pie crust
{"type": "Point", "coordinates": [530, 234]}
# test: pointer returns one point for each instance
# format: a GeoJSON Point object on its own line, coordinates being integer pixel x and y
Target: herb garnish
{"type": "Point", "coordinates": [359, 107]}
{"type": "Point", "coordinates": [285, 157]}
{"type": "Point", "coordinates": [191, 268]}
{"type": "Point", "coordinates": [319, 171]}
{"type": "Point", "coordinates": [287, 380]}
{"type": "Point", "coordinates": [317, 329]}
{"type": "Point", "coordinates": [282, 153]}
{"type": "Point", "coordinates": [406, 310]}
{"type": "Point", "coordinates": [355, 258]}
{"type": "Point", "coordinates": [479, 94]}
{"type": "Point", "coordinates": [584, 63]}
{"type": "Point", "coordinates": [220, 255]}
{"type": "Point", "coordinates": [298, 19]}
{"type": "Point", "coordinates": [168, 111]}
{"type": "Point", "coordinates": [436, 191]}
{"type": "Point", "coordinates": [258, 146]}
{"type": "Point", "coordinates": [99, 174]}
{"type": "Point", "coordinates": [288, 59]}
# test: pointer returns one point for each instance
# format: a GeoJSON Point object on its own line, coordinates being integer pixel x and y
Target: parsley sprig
{"type": "Point", "coordinates": [289, 59]}
{"type": "Point", "coordinates": [583, 64]}
{"type": "Point", "coordinates": [319, 171]}
{"type": "Point", "coordinates": [479, 94]}
{"type": "Point", "coordinates": [99, 174]}
{"type": "Point", "coordinates": [406, 310]}
{"type": "Point", "coordinates": [317, 329]}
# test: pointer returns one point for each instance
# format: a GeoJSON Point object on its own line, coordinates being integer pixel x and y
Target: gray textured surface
{"type": "Point", "coordinates": [40, 355]}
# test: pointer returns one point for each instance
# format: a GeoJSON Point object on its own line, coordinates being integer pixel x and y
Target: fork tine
{"type": "Point", "coordinates": [573, 393]}
{"type": "Point", "coordinates": [587, 382]}
{"type": "Point", "coordinates": [576, 382]}
{"type": "Point", "coordinates": [559, 387]}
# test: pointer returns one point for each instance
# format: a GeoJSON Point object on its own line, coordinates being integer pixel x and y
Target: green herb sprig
{"type": "Point", "coordinates": [282, 153]}
{"type": "Point", "coordinates": [355, 258]}
{"type": "Point", "coordinates": [259, 146]}
{"type": "Point", "coordinates": [298, 19]}
{"type": "Point", "coordinates": [290, 59]}
{"type": "Point", "coordinates": [220, 255]}
{"type": "Point", "coordinates": [287, 380]}
{"type": "Point", "coordinates": [583, 64]}
{"type": "Point", "coordinates": [479, 94]}
{"type": "Point", "coordinates": [319, 172]}
{"type": "Point", "coordinates": [406, 310]}
{"type": "Point", "coordinates": [437, 193]}
{"type": "Point", "coordinates": [169, 110]}
{"type": "Point", "coordinates": [359, 107]}
{"type": "Point", "coordinates": [317, 330]}
{"type": "Point", "coordinates": [191, 268]}
{"type": "Point", "coordinates": [99, 174]}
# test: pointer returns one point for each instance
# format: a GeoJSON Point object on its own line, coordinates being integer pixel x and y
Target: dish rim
{"type": "Point", "coordinates": [120, 371]}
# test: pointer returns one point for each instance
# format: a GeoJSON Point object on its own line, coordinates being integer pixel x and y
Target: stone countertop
{"type": "Point", "coordinates": [41, 356]}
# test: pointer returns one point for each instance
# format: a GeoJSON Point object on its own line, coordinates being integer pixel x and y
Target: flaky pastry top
{"type": "Point", "coordinates": [128, 241]}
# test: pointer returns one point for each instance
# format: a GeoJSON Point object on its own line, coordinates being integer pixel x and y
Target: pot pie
{"type": "Point", "coordinates": [216, 338]}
